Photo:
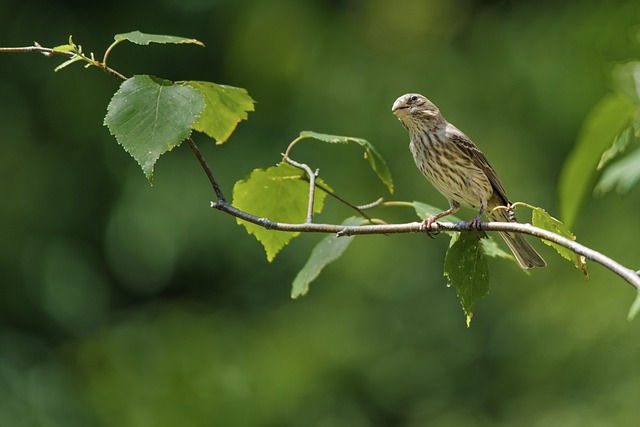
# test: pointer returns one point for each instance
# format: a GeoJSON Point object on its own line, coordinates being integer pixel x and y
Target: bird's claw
{"type": "Point", "coordinates": [426, 227]}
{"type": "Point", "coordinates": [474, 224]}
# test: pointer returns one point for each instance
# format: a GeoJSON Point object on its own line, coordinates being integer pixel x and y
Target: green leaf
{"type": "Point", "coordinates": [605, 121]}
{"type": "Point", "coordinates": [621, 175]}
{"type": "Point", "coordinates": [325, 252]}
{"type": "Point", "coordinates": [280, 194]}
{"type": "Point", "coordinates": [69, 47]}
{"type": "Point", "coordinates": [225, 107]}
{"type": "Point", "coordinates": [541, 219]}
{"type": "Point", "coordinates": [626, 80]}
{"type": "Point", "coordinates": [492, 249]}
{"type": "Point", "coordinates": [68, 62]}
{"type": "Point", "coordinates": [150, 116]}
{"type": "Point", "coordinates": [425, 211]}
{"type": "Point", "coordinates": [620, 143]}
{"type": "Point", "coordinates": [144, 38]}
{"type": "Point", "coordinates": [65, 48]}
{"type": "Point", "coordinates": [635, 308]}
{"type": "Point", "coordinates": [376, 161]}
{"type": "Point", "coordinates": [490, 246]}
{"type": "Point", "coordinates": [636, 124]}
{"type": "Point", "coordinates": [466, 268]}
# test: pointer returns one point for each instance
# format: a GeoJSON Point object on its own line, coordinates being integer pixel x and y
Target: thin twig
{"type": "Point", "coordinates": [311, 176]}
{"type": "Point", "coordinates": [359, 209]}
{"type": "Point", "coordinates": [371, 205]}
{"type": "Point", "coordinates": [102, 65]}
{"type": "Point", "coordinates": [313, 184]}
{"type": "Point", "coordinates": [207, 170]}
{"type": "Point", "coordinates": [49, 52]}
{"type": "Point", "coordinates": [36, 48]}
{"type": "Point", "coordinates": [415, 227]}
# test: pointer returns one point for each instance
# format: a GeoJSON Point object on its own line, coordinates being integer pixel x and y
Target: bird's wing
{"type": "Point", "coordinates": [463, 142]}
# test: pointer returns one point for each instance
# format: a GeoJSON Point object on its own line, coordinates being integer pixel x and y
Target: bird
{"type": "Point", "coordinates": [456, 167]}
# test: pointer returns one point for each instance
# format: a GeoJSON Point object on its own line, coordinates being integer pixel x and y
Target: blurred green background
{"type": "Point", "coordinates": [123, 304]}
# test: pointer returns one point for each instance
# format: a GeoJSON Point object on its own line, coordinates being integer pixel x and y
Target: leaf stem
{"type": "Point", "coordinates": [290, 147]}
{"type": "Point", "coordinates": [110, 48]}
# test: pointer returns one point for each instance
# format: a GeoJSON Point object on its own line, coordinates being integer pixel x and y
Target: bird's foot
{"type": "Point", "coordinates": [426, 226]}
{"type": "Point", "coordinates": [474, 224]}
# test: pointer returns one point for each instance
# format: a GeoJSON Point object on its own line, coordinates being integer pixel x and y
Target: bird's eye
{"type": "Point", "coordinates": [414, 98]}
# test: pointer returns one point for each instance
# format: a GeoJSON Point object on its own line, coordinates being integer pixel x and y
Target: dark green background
{"type": "Point", "coordinates": [123, 304]}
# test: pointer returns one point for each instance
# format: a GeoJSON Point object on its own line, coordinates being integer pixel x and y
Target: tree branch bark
{"type": "Point", "coordinates": [629, 275]}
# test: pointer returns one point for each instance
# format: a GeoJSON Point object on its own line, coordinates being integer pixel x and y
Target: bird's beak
{"type": "Point", "coordinates": [400, 108]}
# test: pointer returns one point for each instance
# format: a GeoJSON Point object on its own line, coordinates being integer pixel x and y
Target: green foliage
{"type": "Point", "coordinates": [150, 116]}
{"type": "Point", "coordinates": [490, 246]}
{"type": "Point", "coordinates": [493, 250]}
{"type": "Point", "coordinates": [466, 268]}
{"type": "Point", "coordinates": [603, 124]}
{"type": "Point", "coordinates": [281, 193]}
{"type": "Point", "coordinates": [71, 47]}
{"type": "Point", "coordinates": [625, 79]}
{"type": "Point", "coordinates": [611, 127]}
{"type": "Point", "coordinates": [635, 308]}
{"type": "Point", "coordinates": [620, 144]}
{"type": "Point", "coordinates": [225, 107]}
{"type": "Point", "coordinates": [541, 219]}
{"type": "Point", "coordinates": [325, 252]}
{"type": "Point", "coordinates": [376, 161]}
{"type": "Point", "coordinates": [278, 193]}
{"type": "Point", "coordinates": [624, 173]}
{"type": "Point", "coordinates": [621, 176]}
{"type": "Point", "coordinates": [144, 38]}
{"type": "Point", "coordinates": [425, 211]}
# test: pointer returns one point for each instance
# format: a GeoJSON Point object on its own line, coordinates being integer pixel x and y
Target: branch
{"type": "Point", "coordinates": [36, 48]}
{"type": "Point", "coordinates": [312, 184]}
{"type": "Point", "coordinates": [103, 66]}
{"type": "Point", "coordinates": [360, 209]}
{"type": "Point", "coordinates": [311, 178]}
{"type": "Point", "coordinates": [207, 170]}
{"type": "Point", "coordinates": [630, 276]}
{"type": "Point", "coordinates": [71, 55]}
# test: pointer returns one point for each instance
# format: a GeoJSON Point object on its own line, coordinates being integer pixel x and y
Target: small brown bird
{"type": "Point", "coordinates": [458, 170]}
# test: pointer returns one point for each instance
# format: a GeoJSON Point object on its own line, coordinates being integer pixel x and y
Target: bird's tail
{"type": "Point", "coordinates": [525, 254]}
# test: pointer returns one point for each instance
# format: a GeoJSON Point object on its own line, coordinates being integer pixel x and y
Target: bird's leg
{"type": "Point", "coordinates": [426, 224]}
{"type": "Point", "coordinates": [474, 224]}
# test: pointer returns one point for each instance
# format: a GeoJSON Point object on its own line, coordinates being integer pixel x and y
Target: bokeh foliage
{"type": "Point", "coordinates": [128, 305]}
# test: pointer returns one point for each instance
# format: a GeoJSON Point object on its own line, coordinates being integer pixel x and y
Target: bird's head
{"type": "Point", "coordinates": [413, 108]}
{"type": "Point", "coordinates": [413, 104]}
